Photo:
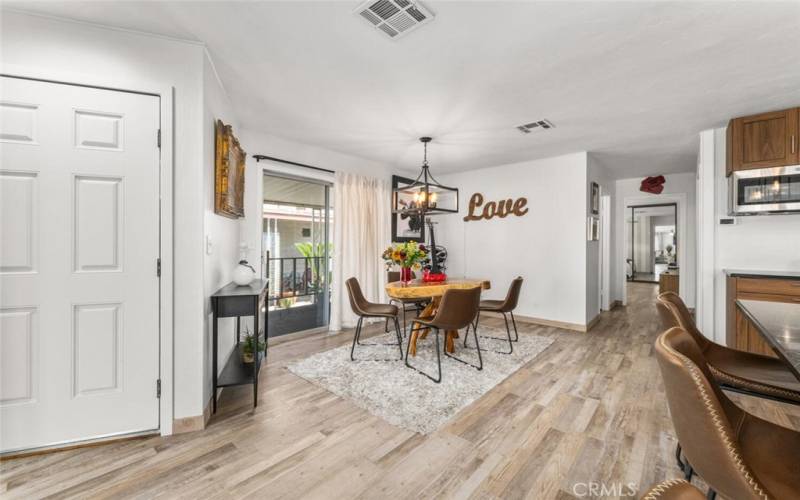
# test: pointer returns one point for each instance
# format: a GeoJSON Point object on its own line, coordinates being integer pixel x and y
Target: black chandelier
{"type": "Point", "coordinates": [424, 196]}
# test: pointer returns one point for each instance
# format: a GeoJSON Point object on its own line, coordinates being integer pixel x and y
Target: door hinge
{"type": "Point", "coordinates": [158, 388]}
{"type": "Point", "coordinates": [158, 138]}
{"type": "Point", "coordinates": [158, 267]}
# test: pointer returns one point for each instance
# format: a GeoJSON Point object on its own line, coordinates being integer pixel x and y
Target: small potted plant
{"type": "Point", "coordinates": [250, 345]}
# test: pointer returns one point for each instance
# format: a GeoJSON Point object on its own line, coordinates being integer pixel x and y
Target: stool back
{"type": "Point", "coordinates": [704, 418]}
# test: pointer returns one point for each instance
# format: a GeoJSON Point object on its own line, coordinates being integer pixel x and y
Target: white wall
{"type": "Point", "coordinates": [269, 145]}
{"type": "Point", "coordinates": [106, 56]}
{"type": "Point", "coordinates": [676, 185]}
{"type": "Point", "coordinates": [754, 243]}
{"type": "Point", "coordinates": [98, 55]}
{"type": "Point", "coordinates": [547, 246]}
{"type": "Point", "coordinates": [596, 173]}
{"type": "Point", "coordinates": [221, 232]}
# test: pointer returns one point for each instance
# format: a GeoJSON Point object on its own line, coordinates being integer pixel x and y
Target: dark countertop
{"type": "Point", "coordinates": [254, 288]}
{"type": "Point", "coordinates": [742, 273]}
{"type": "Point", "coordinates": [779, 324]}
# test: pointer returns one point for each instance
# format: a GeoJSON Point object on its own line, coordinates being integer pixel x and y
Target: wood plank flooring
{"type": "Point", "coordinates": [591, 408]}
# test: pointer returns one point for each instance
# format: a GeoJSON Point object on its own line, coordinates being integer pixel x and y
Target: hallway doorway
{"type": "Point", "coordinates": [653, 241]}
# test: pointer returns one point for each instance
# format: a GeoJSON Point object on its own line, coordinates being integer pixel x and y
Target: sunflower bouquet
{"type": "Point", "coordinates": [406, 255]}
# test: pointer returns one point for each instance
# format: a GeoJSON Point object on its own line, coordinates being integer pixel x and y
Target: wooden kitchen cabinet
{"type": "Point", "coordinates": [741, 333]}
{"type": "Point", "coordinates": [668, 282]}
{"type": "Point", "coordinates": [763, 140]}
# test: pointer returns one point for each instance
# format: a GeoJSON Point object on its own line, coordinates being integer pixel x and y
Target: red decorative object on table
{"type": "Point", "coordinates": [429, 277]}
{"type": "Point", "coordinates": [653, 184]}
{"type": "Point", "coordinates": [406, 274]}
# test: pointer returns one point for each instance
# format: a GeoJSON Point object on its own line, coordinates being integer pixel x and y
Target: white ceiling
{"type": "Point", "coordinates": [633, 82]}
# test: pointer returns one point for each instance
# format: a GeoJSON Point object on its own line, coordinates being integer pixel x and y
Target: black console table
{"type": "Point", "coordinates": [234, 301]}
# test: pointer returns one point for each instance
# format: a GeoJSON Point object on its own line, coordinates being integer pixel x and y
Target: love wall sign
{"type": "Point", "coordinates": [502, 208]}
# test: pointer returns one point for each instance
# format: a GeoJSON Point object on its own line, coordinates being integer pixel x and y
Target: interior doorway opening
{"type": "Point", "coordinates": [653, 241]}
{"type": "Point", "coordinates": [296, 244]}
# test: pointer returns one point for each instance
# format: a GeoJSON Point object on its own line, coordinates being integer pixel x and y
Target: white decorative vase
{"type": "Point", "coordinates": [244, 273]}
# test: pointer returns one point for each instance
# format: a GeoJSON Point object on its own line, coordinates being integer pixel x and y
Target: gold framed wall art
{"type": "Point", "coordinates": [229, 166]}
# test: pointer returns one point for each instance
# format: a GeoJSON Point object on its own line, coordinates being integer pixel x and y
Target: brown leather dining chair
{"type": "Point", "coordinates": [739, 455]}
{"type": "Point", "coordinates": [402, 304]}
{"type": "Point", "coordinates": [505, 306]}
{"type": "Point", "coordinates": [366, 309]}
{"type": "Point", "coordinates": [749, 373]}
{"type": "Point", "coordinates": [674, 489]}
{"type": "Point", "coordinates": [457, 310]}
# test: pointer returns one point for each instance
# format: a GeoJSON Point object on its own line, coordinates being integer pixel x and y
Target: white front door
{"type": "Point", "coordinates": [79, 242]}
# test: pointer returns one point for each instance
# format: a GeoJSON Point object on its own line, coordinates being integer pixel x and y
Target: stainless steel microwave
{"type": "Point", "coordinates": [764, 191]}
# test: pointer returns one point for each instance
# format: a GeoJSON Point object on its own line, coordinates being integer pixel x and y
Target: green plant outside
{"type": "Point", "coordinates": [314, 253]}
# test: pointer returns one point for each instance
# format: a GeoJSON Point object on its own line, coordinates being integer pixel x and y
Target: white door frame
{"type": "Point", "coordinates": [605, 253]}
{"type": "Point", "coordinates": [165, 94]}
{"type": "Point", "coordinates": [681, 201]}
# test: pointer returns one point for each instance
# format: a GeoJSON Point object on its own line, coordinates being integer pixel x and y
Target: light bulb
{"type": "Point", "coordinates": [776, 185]}
{"type": "Point", "coordinates": [434, 197]}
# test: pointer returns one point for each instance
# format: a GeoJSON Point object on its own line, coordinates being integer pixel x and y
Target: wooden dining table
{"type": "Point", "coordinates": [418, 289]}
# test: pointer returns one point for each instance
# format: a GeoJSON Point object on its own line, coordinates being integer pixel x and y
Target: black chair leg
{"type": "Point", "coordinates": [711, 494]}
{"type": "Point", "coordinates": [514, 322]}
{"type": "Point", "coordinates": [438, 356]}
{"type": "Point", "coordinates": [474, 327]}
{"type": "Point", "coordinates": [508, 335]}
{"type": "Point", "coordinates": [479, 366]}
{"type": "Point", "coordinates": [683, 465]}
{"type": "Point", "coordinates": [357, 340]}
{"type": "Point", "coordinates": [508, 332]}
{"type": "Point", "coordinates": [356, 334]}
{"type": "Point", "coordinates": [399, 337]}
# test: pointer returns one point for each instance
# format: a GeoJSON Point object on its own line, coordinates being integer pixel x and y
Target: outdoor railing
{"type": "Point", "coordinates": [296, 276]}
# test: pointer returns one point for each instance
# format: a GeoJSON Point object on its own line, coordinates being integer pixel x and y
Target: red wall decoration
{"type": "Point", "coordinates": [653, 184]}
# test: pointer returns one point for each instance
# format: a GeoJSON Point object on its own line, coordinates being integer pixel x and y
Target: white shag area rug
{"type": "Point", "coordinates": [403, 397]}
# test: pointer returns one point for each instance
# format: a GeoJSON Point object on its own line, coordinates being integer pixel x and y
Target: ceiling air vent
{"type": "Point", "coordinates": [533, 126]}
{"type": "Point", "coordinates": [394, 18]}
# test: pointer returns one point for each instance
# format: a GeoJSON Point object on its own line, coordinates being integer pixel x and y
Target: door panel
{"type": "Point", "coordinates": [79, 302]}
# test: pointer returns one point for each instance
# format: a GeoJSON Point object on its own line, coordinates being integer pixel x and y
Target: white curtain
{"type": "Point", "coordinates": [361, 231]}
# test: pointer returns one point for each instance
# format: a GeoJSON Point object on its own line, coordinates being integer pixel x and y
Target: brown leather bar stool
{"type": "Point", "coordinates": [457, 310]}
{"type": "Point", "coordinates": [674, 489]}
{"type": "Point", "coordinates": [402, 304]}
{"type": "Point", "coordinates": [503, 307]}
{"type": "Point", "coordinates": [365, 309]}
{"type": "Point", "coordinates": [739, 455]}
{"type": "Point", "coordinates": [739, 371]}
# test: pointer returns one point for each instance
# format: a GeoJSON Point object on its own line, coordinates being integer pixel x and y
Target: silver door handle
{"type": "Point", "coordinates": [793, 141]}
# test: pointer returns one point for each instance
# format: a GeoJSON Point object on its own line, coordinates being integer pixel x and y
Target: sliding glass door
{"type": "Point", "coordinates": [296, 248]}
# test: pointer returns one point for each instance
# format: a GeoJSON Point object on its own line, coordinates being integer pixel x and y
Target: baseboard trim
{"type": "Point", "coordinates": [44, 450]}
{"type": "Point", "coordinates": [592, 323]}
{"type": "Point", "coordinates": [575, 327]}
{"type": "Point", "coordinates": [280, 339]}
{"type": "Point", "coordinates": [615, 304]}
{"type": "Point", "coordinates": [192, 424]}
